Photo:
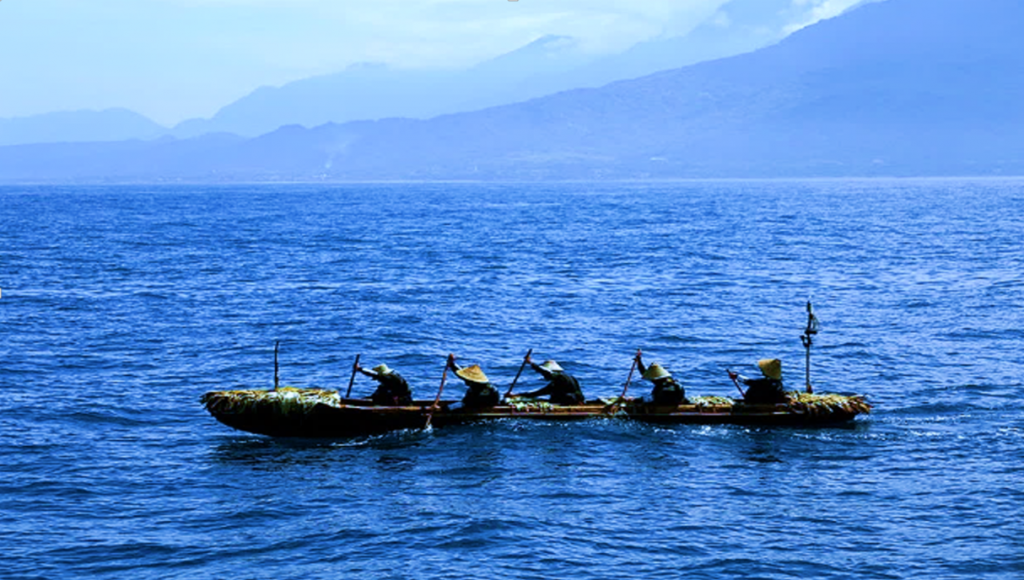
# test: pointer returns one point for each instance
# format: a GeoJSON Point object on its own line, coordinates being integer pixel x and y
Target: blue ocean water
{"type": "Point", "coordinates": [122, 305]}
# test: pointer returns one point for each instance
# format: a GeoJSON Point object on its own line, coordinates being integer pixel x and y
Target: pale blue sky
{"type": "Point", "coordinates": [176, 59]}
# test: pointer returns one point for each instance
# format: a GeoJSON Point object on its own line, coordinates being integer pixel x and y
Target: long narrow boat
{"type": "Point", "coordinates": [291, 412]}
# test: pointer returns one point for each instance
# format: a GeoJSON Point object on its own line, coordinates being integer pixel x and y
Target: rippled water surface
{"type": "Point", "coordinates": [122, 305]}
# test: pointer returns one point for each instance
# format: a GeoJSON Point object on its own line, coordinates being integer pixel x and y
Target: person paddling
{"type": "Point", "coordinates": [767, 390]}
{"type": "Point", "coordinates": [393, 390]}
{"type": "Point", "coordinates": [562, 388]}
{"type": "Point", "coordinates": [667, 391]}
{"type": "Point", "coordinates": [480, 393]}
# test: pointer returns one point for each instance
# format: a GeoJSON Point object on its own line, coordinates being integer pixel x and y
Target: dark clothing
{"type": "Point", "coordinates": [562, 388]}
{"type": "Point", "coordinates": [480, 395]}
{"type": "Point", "coordinates": [764, 391]}
{"type": "Point", "coordinates": [393, 390]}
{"type": "Point", "coordinates": [668, 392]}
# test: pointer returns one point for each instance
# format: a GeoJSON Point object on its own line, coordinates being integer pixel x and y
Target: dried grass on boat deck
{"type": "Point", "coordinates": [801, 403]}
{"type": "Point", "coordinates": [812, 404]}
{"type": "Point", "coordinates": [524, 404]}
{"type": "Point", "coordinates": [712, 401]}
{"type": "Point", "coordinates": [285, 401]}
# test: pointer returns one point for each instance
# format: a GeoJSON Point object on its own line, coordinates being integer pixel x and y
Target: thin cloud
{"type": "Point", "coordinates": [817, 10]}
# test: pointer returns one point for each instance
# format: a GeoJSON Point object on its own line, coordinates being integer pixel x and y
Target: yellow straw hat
{"type": "Point", "coordinates": [655, 372]}
{"type": "Point", "coordinates": [771, 367]}
{"type": "Point", "coordinates": [552, 366]}
{"type": "Point", "coordinates": [472, 374]}
{"type": "Point", "coordinates": [382, 370]}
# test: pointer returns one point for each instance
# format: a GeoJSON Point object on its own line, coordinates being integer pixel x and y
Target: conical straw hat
{"type": "Point", "coordinates": [771, 367]}
{"type": "Point", "coordinates": [552, 366]}
{"type": "Point", "coordinates": [472, 374]}
{"type": "Point", "coordinates": [655, 372]}
{"type": "Point", "coordinates": [382, 370]}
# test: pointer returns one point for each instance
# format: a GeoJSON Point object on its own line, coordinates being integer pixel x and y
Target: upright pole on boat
{"type": "Point", "coordinates": [521, 367]}
{"type": "Point", "coordinates": [276, 344]}
{"type": "Point", "coordinates": [437, 399]}
{"type": "Point", "coordinates": [352, 379]}
{"type": "Point", "coordinates": [808, 339]}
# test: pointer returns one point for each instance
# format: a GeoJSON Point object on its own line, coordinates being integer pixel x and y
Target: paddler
{"type": "Point", "coordinates": [562, 388]}
{"type": "Point", "coordinates": [667, 391]}
{"type": "Point", "coordinates": [393, 390]}
{"type": "Point", "coordinates": [767, 390]}
{"type": "Point", "coordinates": [480, 393]}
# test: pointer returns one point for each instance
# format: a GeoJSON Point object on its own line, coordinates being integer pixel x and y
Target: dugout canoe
{"type": "Point", "coordinates": [291, 412]}
{"type": "Point", "coordinates": [803, 409]}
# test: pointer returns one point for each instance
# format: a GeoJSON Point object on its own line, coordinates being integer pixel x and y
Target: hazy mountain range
{"type": "Point", "coordinates": [903, 87]}
{"type": "Point", "coordinates": [108, 125]}
{"type": "Point", "coordinates": [548, 65]}
{"type": "Point", "coordinates": [375, 91]}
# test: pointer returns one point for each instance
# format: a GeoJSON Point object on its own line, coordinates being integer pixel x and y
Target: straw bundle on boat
{"type": "Point", "coordinates": [825, 404]}
{"type": "Point", "coordinates": [285, 401]}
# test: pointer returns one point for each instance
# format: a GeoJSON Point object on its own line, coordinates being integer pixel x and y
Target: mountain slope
{"type": "Point", "coordinates": [737, 27]}
{"type": "Point", "coordinates": [376, 91]}
{"type": "Point", "coordinates": [373, 91]}
{"type": "Point", "coordinates": [548, 65]}
{"type": "Point", "coordinates": [911, 86]}
{"type": "Point", "coordinates": [898, 87]}
{"type": "Point", "coordinates": [107, 125]}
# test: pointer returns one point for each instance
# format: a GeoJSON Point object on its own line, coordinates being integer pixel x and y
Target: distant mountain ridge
{"type": "Point", "coordinates": [903, 87]}
{"type": "Point", "coordinates": [71, 126]}
{"type": "Point", "coordinates": [368, 91]}
{"type": "Point", "coordinates": [547, 65]}
{"type": "Point", "coordinates": [371, 91]}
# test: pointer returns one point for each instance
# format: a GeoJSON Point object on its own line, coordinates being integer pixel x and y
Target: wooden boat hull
{"type": "Point", "coordinates": [769, 415]}
{"type": "Point", "coordinates": [318, 413]}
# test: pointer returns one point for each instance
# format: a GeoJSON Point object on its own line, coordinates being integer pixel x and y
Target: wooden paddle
{"type": "Point", "coordinates": [352, 380]}
{"type": "Point", "coordinates": [626, 386]}
{"type": "Point", "coordinates": [521, 367]}
{"type": "Point", "coordinates": [444, 377]}
{"type": "Point", "coordinates": [732, 376]}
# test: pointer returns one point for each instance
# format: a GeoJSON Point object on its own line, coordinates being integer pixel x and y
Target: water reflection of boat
{"type": "Point", "coordinates": [290, 412]}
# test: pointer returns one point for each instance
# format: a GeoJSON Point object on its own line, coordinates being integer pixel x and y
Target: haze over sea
{"type": "Point", "coordinates": [121, 305]}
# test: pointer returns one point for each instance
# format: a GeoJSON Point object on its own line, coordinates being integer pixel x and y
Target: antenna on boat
{"type": "Point", "coordinates": [808, 339]}
{"type": "Point", "coordinates": [276, 344]}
